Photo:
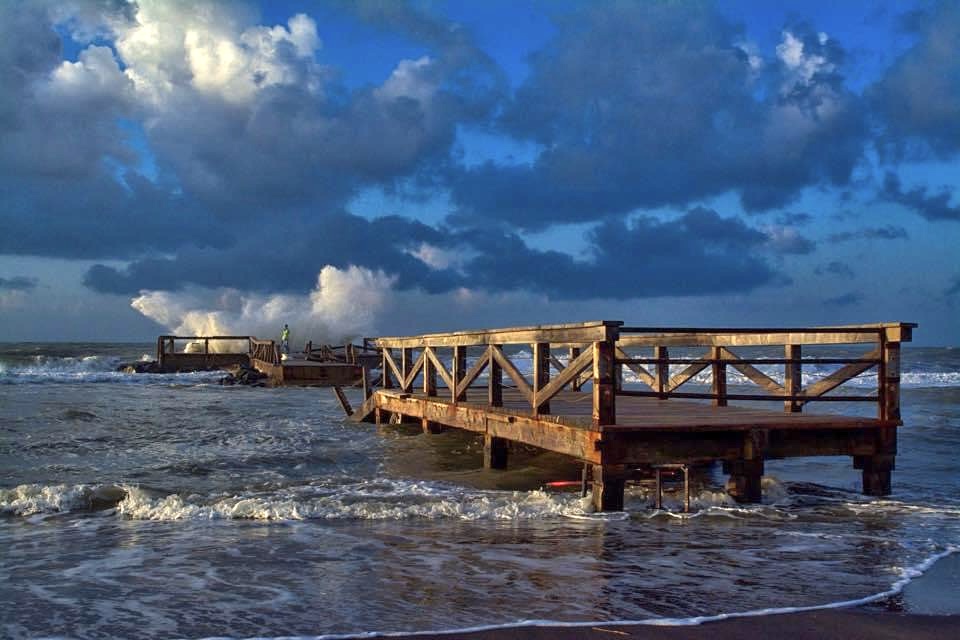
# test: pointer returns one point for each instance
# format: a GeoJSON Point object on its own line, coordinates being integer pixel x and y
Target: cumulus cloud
{"type": "Point", "coordinates": [918, 99]}
{"type": "Point", "coordinates": [652, 104]}
{"type": "Point", "coordinates": [344, 304]}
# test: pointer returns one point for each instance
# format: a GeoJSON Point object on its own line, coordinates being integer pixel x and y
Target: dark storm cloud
{"type": "Point", "coordinates": [653, 104]}
{"type": "Point", "coordinates": [932, 207]}
{"type": "Point", "coordinates": [697, 253]}
{"type": "Point", "coordinates": [17, 283]}
{"type": "Point", "coordinates": [287, 258]}
{"type": "Point", "coordinates": [844, 300]}
{"type": "Point", "coordinates": [918, 99]}
{"type": "Point", "coordinates": [633, 106]}
{"type": "Point", "coordinates": [888, 232]}
{"type": "Point", "coordinates": [701, 251]}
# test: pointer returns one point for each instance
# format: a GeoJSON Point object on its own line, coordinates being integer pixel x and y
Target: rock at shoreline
{"type": "Point", "coordinates": [141, 367]}
{"type": "Point", "coordinates": [244, 375]}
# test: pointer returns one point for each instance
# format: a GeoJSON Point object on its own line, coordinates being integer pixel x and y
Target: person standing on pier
{"type": "Point", "coordinates": [285, 340]}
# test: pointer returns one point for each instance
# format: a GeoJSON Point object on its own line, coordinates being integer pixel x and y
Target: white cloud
{"type": "Point", "coordinates": [344, 305]}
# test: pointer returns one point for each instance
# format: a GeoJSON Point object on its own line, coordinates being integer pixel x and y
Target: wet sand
{"type": "Point", "coordinates": [927, 608]}
{"type": "Point", "coordinates": [849, 624]}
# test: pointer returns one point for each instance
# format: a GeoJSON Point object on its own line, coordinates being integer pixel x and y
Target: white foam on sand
{"type": "Point", "coordinates": [907, 574]}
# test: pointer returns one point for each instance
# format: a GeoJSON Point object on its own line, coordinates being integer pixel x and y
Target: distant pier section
{"type": "Point", "coordinates": [682, 406]}
{"type": "Point", "coordinates": [325, 365]}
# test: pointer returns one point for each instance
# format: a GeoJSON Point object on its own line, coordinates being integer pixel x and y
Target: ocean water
{"type": "Point", "coordinates": [167, 506]}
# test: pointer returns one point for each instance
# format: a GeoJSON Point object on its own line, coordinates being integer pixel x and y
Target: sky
{"type": "Point", "coordinates": [386, 168]}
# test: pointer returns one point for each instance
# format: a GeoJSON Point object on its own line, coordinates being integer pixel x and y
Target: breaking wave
{"type": "Point", "coordinates": [41, 369]}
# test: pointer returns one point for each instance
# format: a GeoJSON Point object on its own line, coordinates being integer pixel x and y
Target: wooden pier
{"type": "Point", "coordinates": [326, 365]}
{"type": "Point", "coordinates": [575, 401]}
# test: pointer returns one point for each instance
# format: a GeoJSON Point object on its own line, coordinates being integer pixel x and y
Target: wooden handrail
{"type": "Point", "coordinates": [598, 355]}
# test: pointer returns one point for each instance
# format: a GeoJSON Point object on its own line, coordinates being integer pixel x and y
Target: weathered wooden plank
{"type": "Point", "coordinates": [556, 334]}
{"type": "Point", "coordinates": [684, 376]}
{"type": "Point", "coordinates": [494, 378]}
{"type": "Point", "coordinates": [753, 374]}
{"type": "Point", "coordinates": [772, 338]}
{"type": "Point", "coordinates": [574, 368]}
{"type": "Point", "coordinates": [508, 367]}
{"type": "Point", "coordinates": [391, 363]}
{"type": "Point", "coordinates": [541, 376]}
{"type": "Point", "coordinates": [840, 376]}
{"type": "Point", "coordinates": [792, 381]}
{"type": "Point", "coordinates": [472, 374]}
{"type": "Point", "coordinates": [645, 376]}
{"type": "Point", "coordinates": [662, 356]}
{"type": "Point", "coordinates": [604, 383]}
{"type": "Point", "coordinates": [439, 368]}
{"type": "Point", "coordinates": [718, 384]}
{"type": "Point", "coordinates": [414, 370]}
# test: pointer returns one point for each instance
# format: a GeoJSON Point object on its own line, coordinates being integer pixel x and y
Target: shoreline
{"type": "Point", "coordinates": [918, 606]}
{"type": "Point", "coordinates": [850, 624]}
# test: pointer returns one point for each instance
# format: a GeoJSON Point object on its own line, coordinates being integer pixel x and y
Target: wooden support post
{"type": "Point", "coordinates": [365, 381]}
{"type": "Point", "coordinates": [609, 481]}
{"type": "Point", "coordinates": [604, 392]}
{"type": "Point", "coordinates": [662, 355]}
{"type": "Point", "coordinates": [744, 484]}
{"type": "Point", "coordinates": [385, 371]}
{"type": "Point", "coordinates": [495, 383]}
{"type": "Point", "coordinates": [719, 388]}
{"type": "Point", "coordinates": [792, 383]}
{"type": "Point", "coordinates": [890, 381]}
{"type": "Point", "coordinates": [746, 473]}
{"type": "Point", "coordinates": [342, 399]}
{"type": "Point", "coordinates": [574, 354]}
{"type": "Point", "coordinates": [658, 501]}
{"type": "Point", "coordinates": [541, 375]}
{"type": "Point", "coordinates": [876, 473]}
{"type": "Point", "coordinates": [494, 452]}
{"type": "Point", "coordinates": [459, 368]}
{"type": "Point", "coordinates": [877, 469]}
{"type": "Point", "coordinates": [429, 378]}
{"type": "Point", "coordinates": [405, 365]}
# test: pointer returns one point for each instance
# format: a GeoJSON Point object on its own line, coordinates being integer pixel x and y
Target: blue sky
{"type": "Point", "coordinates": [227, 166]}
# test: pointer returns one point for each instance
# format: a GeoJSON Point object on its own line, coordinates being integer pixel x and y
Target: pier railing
{"type": "Point", "coordinates": [570, 356]}
{"type": "Point", "coordinates": [881, 357]}
{"type": "Point", "coordinates": [264, 350]}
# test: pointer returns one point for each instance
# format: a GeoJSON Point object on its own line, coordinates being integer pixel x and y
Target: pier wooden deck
{"type": "Point", "coordinates": [575, 402]}
{"type": "Point", "coordinates": [327, 365]}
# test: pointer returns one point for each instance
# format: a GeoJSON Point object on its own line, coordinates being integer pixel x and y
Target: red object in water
{"type": "Point", "coordinates": [559, 484]}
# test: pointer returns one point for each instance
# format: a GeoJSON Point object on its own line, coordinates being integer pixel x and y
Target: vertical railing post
{"type": "Point", "coordinates": [386, 381]}
{"type": "Point", "coordinates": [406, 364]}
{"type": "Point", "coordinates": [662, 355]}
{"type": "Point", "coordinates": [604, 384]}
{"type": "Point", "coordinates": [889, 380]}
{"type": "Point", "coordinates": [792, 382]}
{"type": "Point", "coordinates": [429, 376]}
{"type": "Point", "coordinates": [495, 380]}
{"type": "Point", "coordinates": [459, 365]}
{"type": "Point", "coordinates": [541, 375]}
{"type": "Point", "coordinates": [574, 354]}
{"type": "Point", "coordinates": [719, 377]}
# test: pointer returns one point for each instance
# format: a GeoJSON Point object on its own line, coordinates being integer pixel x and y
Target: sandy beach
{"type": "Point", "coordinates": [850, 624]}
{"type": "Point", "coordinates": [928, 607]}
